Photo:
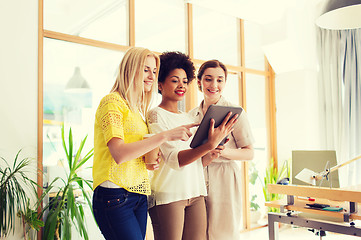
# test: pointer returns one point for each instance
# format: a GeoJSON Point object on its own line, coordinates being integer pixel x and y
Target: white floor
{"type": "Point", "coordinates": [287, 232]}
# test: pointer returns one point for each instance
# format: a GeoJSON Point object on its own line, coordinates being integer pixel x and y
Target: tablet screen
{"type": "Point", "coordinates": [218, 113]}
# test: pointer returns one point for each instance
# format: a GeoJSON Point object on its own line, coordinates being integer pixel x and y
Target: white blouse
{"type": "Point", "coordinates": [170, 182]}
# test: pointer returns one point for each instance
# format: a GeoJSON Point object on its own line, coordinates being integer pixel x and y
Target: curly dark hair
{"type": "Point", "coordinates": [173, 60]}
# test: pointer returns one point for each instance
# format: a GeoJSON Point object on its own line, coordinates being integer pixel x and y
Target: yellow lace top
{"type": "Point", "coordinates": [114, 119]}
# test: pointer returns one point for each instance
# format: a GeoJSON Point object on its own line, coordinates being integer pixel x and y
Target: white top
{"type": "Point", "coordinates": [170, 182]}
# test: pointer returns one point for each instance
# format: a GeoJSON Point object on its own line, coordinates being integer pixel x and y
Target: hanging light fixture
{"type": "Point", "coordinates": [340, 14]}
{"type": "Point", "coordinates": [77, 82]}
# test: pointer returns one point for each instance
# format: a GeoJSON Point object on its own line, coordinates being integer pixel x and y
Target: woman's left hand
{"type": "Point", "coordinates": [216, 135]}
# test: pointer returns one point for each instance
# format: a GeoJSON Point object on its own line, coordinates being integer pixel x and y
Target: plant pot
{"type": "Point", "coordinates": [255, 216]}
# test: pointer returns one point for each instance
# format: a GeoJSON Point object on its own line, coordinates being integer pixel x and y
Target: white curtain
{"type": "Point", "coordinates": [339, 53]}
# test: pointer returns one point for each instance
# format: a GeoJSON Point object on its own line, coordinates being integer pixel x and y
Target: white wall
{"type": "Point", "coordinates": [297, 113]}
{"type": "Point", "coordinates": [18, 79]}
{"type": "Point", "coordinates": [294, 61]}
{"type": "Point", "coordinates": [18, 62]}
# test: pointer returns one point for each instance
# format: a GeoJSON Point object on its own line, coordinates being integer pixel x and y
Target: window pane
{"type": "Point", "coordinates": [230, 92]}
{"type": "Point", "coordinates": [253, 46]}
{"type": "Point", "coordinates": [215, 36]}
{"type": "Point", "coordinates": [104, 20]}
{"type": "Point", "coordinates": [160, 25]}
{"type": "Point", "coordinates": [256, 110]}
{"type": "Point", "coordinates": [73, 107]}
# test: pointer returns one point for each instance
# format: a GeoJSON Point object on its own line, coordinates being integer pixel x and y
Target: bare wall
{"type": "Point", "coordinates": [18, 79]}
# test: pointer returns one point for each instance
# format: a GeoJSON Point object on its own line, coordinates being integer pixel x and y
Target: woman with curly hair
{"type": "Point", "coordinates": [176, 204]}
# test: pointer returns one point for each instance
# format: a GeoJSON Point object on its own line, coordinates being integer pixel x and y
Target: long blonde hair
{"type": "Point", "coordinates": [129, 81]}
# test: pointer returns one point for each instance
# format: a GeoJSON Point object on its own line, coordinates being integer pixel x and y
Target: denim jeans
{"type": "Point", "coordinates": [120, 214]}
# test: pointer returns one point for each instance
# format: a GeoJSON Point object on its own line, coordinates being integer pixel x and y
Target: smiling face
{"type": "Point", "coordinates": [174, 86]}
{"type": "Point", "coordinates": [150, 70]}
{"type": "Point", "coordinates": [212, 83]}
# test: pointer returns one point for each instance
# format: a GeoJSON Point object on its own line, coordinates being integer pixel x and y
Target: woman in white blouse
{"type": "Point", "coordinates": [176, 205]}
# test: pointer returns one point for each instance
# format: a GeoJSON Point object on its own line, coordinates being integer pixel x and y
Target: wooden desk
{"type": "Point", "coordinates": [351, 194]}
{"type": "Point", "coordinates": [346, 198]}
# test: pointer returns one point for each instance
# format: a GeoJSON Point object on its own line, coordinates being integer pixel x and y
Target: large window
{"type": "Point", "coordinates": [256, 110]}
{"type": "Point", "coordinates": [160, 25]}
{"type": "Point", "coordinates": [105, 20]}
{"type": "Point", "coordinates": [65, 65]}
{"type": "Point", "coordinates": [254, 56]}
{"type": "Point", "coordinates": [84, 41]}
{"type": "Point", "coordinates": [215, 36]}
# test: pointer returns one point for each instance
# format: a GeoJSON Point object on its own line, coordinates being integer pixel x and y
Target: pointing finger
{"type": "Point", "coordinates": [188, 126]}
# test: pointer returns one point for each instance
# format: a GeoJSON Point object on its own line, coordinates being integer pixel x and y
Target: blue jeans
{"type": "Point", "coordinates": [120, 214]}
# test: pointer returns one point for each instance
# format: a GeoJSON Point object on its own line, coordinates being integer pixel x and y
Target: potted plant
{"type": "Point", "coordinates": [31, 221]}
{"type": "Point", "coordinates": [254, 206]}
{"type": "Point", "coordinates": [273, 174]}
{"type": "Point", "coordinates": [64, 209]}
{"type": "Point", "coordinates": [14, 184]}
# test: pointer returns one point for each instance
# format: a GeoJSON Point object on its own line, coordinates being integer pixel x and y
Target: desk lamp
{"type": "Point", "coordinates": [310, 177]}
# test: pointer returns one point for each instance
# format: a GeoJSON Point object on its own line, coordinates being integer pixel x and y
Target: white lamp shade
{"type": "Point", "coordinates": [77, 82]}
{"type": "Point", "coordinates": [340, 15]}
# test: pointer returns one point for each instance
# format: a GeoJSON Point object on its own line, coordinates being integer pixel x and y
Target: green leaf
{"type": "Point", "coordinates": [66, 232]}
{"type": "Point", "coordinates": [253, 177]}
{"type": "Point", "coordinates": [71, 213]}
{"type": "Point", "coordinates": [84, 160]}
{"type": "Point", "coordinates": [63, 141]}
{"type": "Point", "coordinates": [14, 183]}
{"type": "Point", "coordinates": [71, 201]}
{"type": "Point", "coordinates": [77, 156]}
{"type": "Point", "coordinates": [50, 225]}
{"type": "Point", "coordinates": [70, 157]}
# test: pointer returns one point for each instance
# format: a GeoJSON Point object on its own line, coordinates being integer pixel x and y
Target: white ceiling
{"type": "Point", "coordinates": [288, 28]}
{"type": "Point", "coordinates": [259, 11]}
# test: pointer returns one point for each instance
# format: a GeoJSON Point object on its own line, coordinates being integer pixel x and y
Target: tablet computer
{"type": "Point", "coordinates": [218, 113]}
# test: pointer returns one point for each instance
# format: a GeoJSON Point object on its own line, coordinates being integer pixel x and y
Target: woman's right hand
{"type": "Point", "coordinates": [180, 133]}
{"type": "Point", "coordinates": [214, 154]}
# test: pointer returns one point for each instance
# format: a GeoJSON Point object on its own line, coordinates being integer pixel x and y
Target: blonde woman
{"type": "Point", "coordinates": [223, 175]}
{"type": "Point", "coordinates": [121, 183]}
